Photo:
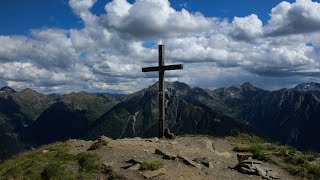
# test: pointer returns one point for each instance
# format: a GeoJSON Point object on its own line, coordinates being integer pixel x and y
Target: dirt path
{"type": "Point", "coordinates": [219, 151]}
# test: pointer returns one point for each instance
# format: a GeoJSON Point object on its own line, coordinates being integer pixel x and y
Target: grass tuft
{"type": "Point", "coordinates": [53, 171]}
{"type": "Point", "coordinates": [89, 163]}
{"type": "Point", "coordinates": [112, 175]}
{"type": "Point", "coordinates": [247, 139]}
{"type": "Point", "coordinates": [151, 165]}
{"type": "Point", "coordinates": [98, 144]}
{"type": "Point", "coordinates": [257, 151]}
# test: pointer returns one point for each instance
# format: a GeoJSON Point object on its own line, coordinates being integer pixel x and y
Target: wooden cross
{"type": "Point", "coordinates": [161, 68]}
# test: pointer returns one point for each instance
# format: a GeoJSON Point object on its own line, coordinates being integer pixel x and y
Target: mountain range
{"type": "Point", "coordinates": [290, 116]}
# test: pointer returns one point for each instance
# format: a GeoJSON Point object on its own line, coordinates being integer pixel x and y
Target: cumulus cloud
{"type": "Point", "coordinates": [82, 9]}
{"type": "Point", "coordinates": [247, 28]}
{"type": "Point", "coordinates": [26, 72]}
{"type": "Point", "coordinates": [152, 19]}
{"type": "Point", "coordinates": [107, 54]}
{"type": "Point", "coordinates": [47, 48]}
{"type": "Point", "coordinates": [301, 16]}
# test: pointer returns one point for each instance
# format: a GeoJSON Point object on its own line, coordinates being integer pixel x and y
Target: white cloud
{"type": "Point", "coordinates": [247, 28]}
{"type": "Point", "coordinates": [27, 72]}
{"type": "Point", "coordinates": [82, 9]}
{"type": "Point", "coordinates": [108, 52]}
{"type": "Point", "coordinates": [152, 19]}
{"type": "Point", "coordinates": [301, 16]}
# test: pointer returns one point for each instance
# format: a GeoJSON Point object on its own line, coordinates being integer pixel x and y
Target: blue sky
{"type": "Point", "coordinates": [19, 16]}
{"type": "Point", "coordinates": [101, 45]}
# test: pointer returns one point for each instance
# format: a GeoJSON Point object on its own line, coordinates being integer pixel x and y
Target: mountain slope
{"type": "Point", "coordinates": [138, 116]}
{"type": "Point", "coordinates": [287, 115]}
{"type": "Point", "coordinates": [17, 111]}
{"type": "Point", "coordinates": [68, 118]}
{"type": "Point", "coordinates": [20, 109]}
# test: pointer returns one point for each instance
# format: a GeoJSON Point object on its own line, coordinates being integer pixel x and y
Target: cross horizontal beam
{"type": "Point", "coordinates": [162, 68]}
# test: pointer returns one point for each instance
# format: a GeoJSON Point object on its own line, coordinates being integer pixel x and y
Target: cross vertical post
{"type": "Point", "coordinates": [161, 92]}
{"type": "Point", "coordinates": [161, 68]}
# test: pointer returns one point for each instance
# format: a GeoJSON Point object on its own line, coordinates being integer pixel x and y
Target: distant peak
{"type": "Point", "coordinates": [311, 86]}
{"type": "Point", "coordinates": [7, 89]}
{"type": "Point", "coordinates": [179, 85]}
{"type": "Point", "coordinates": [173, 85]}
{"type": "Point", "coordinates": [247, 84]}
{"type": "Point", "coordinates": [76, 94]}
{"type": "Point", "coordinates": [28, 90]}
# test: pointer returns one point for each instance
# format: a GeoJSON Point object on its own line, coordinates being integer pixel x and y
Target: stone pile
{"type": "Point", "coordinates": [250, 166]}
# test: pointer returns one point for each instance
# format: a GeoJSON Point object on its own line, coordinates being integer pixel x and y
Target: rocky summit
{"type": "Point", "coordinates": [186, 157]}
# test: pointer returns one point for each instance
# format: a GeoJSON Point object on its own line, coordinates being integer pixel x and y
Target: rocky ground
{"type": "Point", "coordinates": [215, 156]}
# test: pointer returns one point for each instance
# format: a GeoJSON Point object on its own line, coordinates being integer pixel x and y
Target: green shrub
{"type": "Point", "coordinates": [151, 165]}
